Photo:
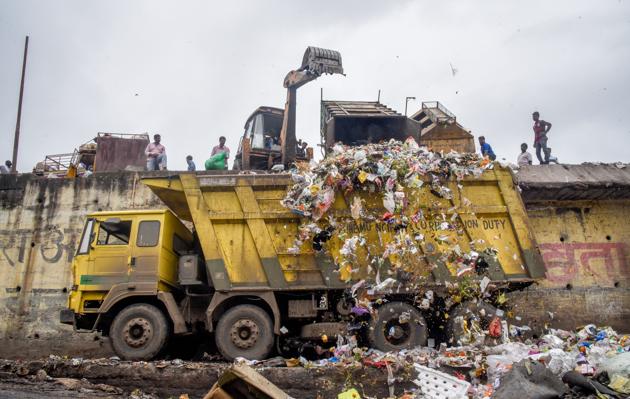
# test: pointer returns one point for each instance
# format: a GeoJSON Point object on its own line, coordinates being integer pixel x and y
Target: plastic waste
{"type": "Point", "coordinates": [529, 380]}
{"type": "Point", "coordinates": [438, 385]}
{"type": "Point", "coordinates": [216, 162]}
{"type": "Point", "coordinates": [356, 208]}
{"type": "Point", "coordinates": [388, 202]}
{"type": "Point", "coordinates": [557, 360]}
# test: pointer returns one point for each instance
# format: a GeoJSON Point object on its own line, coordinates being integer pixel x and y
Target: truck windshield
{"type": "Point", "coordinates": [86, 237]}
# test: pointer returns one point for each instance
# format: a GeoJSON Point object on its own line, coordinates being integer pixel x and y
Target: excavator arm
{"type": "Point", "coordinates": [316, 61]}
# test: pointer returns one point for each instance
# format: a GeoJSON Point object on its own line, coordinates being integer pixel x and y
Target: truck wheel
{"type": "Point", "coordinates": [139, 332]}
{"type": "Point", "coordinates": [397, 326]}
{"type": "Point", "coordinates": [244, 331]}
{"type": "Point", "coordinates": [464, 317]}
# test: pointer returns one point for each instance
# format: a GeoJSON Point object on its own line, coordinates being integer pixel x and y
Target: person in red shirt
{"type": "Point", "coordinates": [221, 148]}
{"type": "Point", "coordinates": [541, 128]}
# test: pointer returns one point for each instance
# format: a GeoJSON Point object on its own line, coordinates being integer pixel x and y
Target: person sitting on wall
{"type": "Point", "coordinates": [6, 168]}
{"type": "Point", "coordinates": [156, 154]}
{"type": "Point", "coordinates": [524, 158]}
{"type": "Point", "coordinates": [191, 164]}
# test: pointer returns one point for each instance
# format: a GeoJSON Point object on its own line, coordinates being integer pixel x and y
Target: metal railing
{"type": "Point", "coordinates": [431, 105]}
{"type": "Point", "coordinates": [60, 162]}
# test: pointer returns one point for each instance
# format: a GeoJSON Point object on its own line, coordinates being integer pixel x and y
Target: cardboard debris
{"type": "Point", "coordinates": [243, 382]}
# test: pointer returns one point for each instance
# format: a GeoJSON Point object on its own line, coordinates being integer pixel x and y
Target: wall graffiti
{"type": "Point", "coordinates": [604, 262]}
{"type": "Point", "coordinates": [53, 244]}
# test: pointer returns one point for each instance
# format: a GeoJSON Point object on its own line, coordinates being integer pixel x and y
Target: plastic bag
{"type": "Point", "coordinates": [388, 202]}
{"type": "Point", "coordinates": [355, 208]}
{"type": "Point", "coordinates": [216, 162]}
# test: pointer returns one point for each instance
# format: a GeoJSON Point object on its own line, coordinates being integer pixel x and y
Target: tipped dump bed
{"type": "Point", "coordinates": [248, 237]}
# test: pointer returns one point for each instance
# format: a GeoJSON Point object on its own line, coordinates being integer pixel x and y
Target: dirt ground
{"type": "Point", "coordinates": [111, 378]}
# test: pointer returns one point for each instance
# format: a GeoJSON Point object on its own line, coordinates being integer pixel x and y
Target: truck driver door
{"type": "Point", "coordinates": [110, 254]}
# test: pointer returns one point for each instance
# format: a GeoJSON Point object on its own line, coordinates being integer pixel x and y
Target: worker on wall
{"type": "Point", "coordinates": [220, 149]}
{"type": "Point", "coordinates": [524, 158]}
{"type": "Point", "coordinates": [486, 149]}
{"type": "Point", "coordinates": [190, 163]}
{"type": "Point", "coordinates": [6, 168]}
{"type": "Point", "coordinates": [541, 128]}
{"type": "Point", "coordinates": [156, 154]}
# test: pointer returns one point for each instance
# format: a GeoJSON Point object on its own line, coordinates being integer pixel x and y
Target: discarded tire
{"type": "Point", "coordinates": [244, 331]}
{"type": "Point", "coordinates": [139, 332]}
{"type": "Point", "coordinates": [465, 318]}
{"type": "Point", "coordinates": [397, 326]}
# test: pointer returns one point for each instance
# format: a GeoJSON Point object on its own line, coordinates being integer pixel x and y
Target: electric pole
{"type": "Point", "coordinates": [16, 139]}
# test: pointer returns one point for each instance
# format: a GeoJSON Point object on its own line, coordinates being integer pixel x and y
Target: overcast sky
{"type": "Point", "coordinates": [199, 68]}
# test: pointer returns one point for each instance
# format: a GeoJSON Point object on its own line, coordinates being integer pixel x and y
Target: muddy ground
{"type": "Point", "coordinates": [106, 378]}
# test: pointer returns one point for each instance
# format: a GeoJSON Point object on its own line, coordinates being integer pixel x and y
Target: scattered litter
{"type": "Point", "coordinates": [437, 385]}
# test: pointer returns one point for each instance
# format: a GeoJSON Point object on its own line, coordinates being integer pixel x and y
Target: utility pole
{"type": "Point", "coordinates": [16, 139]}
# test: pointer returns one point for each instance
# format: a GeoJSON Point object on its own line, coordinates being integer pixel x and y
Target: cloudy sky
{"type": "Point", "coordinates": [199, 68]}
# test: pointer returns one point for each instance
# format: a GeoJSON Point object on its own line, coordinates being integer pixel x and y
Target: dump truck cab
{"type": "Point", "coordinates": [124, 258]}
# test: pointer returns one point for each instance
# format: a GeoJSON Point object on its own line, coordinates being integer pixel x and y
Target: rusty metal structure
{"type": "Point", "coordinates": [120, 151]}
{"type": "Point", "coordinates": [107, 152]}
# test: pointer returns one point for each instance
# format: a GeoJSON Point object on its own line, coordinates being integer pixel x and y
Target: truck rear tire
{"type": "Point", "coordinates": [397, 326]}
{"type": "Point", "coordinates": [139, 332]}
{"type": "Point", "coordinates": [244, 331]}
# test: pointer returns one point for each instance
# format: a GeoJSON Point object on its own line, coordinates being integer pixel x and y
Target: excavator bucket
{"type": "Point", "coordinates": [321, 60]}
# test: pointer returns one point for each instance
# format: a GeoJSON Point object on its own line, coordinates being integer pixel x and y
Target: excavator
{"type": "Point", "coordinates": [269, 138]}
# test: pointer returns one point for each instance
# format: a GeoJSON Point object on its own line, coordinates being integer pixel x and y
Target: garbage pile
{"type": "Point", "coordinates": [591, 361]}
{"type": "Point", "coordinates": [392, 174]}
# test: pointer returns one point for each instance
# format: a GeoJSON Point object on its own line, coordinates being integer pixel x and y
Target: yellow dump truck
{"type": "Point", "coordinates": [222, 261]}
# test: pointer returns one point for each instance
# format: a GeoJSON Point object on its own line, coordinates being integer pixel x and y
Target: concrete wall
{"type": "Point", "coordinates": [585, 247]}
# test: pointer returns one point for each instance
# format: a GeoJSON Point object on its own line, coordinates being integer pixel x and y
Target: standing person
{"type": "Point", "coordinates": [485, 149]}
{"type": "Point", "coordinates": [156, 154]}
{"type": "Point", "coordinates": [524, 158]}
{"type": "Point", "coordinates": [191, 164]}
{"type": "Point", "coordinates": [221, 148]}
{"type": "Point", "coordinates": [541, 128]}
{"type": "Point", "coordinates": [6, 168]}
{"type": "Point", "coordinates": [300, 150]}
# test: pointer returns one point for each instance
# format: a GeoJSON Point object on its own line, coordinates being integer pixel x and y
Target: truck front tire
{"type": "Point", "coordinates": [139, 332]}
{"type": "Point", "coordinates": [397, 326]}
{"type": "Point", "coordinates": [244, 331]}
